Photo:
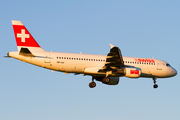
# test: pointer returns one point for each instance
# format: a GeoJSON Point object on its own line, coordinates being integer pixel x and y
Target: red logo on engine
{"type": "Point", "coordinates": [134, 71]}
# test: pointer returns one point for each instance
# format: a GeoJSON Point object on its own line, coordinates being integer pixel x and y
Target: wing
{"type": "Point", "coordinates": [114, 59]}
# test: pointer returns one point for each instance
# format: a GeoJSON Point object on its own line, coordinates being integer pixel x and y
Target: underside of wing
{"type": "Point", "coordinates": [114, 60]}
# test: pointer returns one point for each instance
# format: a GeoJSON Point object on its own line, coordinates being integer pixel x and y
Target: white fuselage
{"type": "Point", "coordinates": [88, 64]}
{"type": "Point", "coordinates": [105, 68]}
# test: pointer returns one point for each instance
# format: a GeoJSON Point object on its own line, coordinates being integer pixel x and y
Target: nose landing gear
{"type": "Point", "coordinates": [155, 85]}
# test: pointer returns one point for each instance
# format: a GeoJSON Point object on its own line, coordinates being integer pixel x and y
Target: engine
{"type": "Point", "coordinates": [131, 72]}
{"type": "Point", "coordinates": [111, 80]}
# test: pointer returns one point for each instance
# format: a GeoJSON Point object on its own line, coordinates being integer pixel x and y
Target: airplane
{"type": "Point", "coordinates": [104, 68]}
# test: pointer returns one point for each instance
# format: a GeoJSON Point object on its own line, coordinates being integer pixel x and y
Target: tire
{"type": "Point", "coordinates": [92, 84]}
{"type": "Point", "coordinates": [105, 80]}
{"type": "Point", "coordinates": [155, 86]}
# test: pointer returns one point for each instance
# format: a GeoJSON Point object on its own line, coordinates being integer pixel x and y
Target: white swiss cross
{"type": "Point", "coordinates": [22, 35]}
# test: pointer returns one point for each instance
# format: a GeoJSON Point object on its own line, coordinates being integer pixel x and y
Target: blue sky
{"type": "Point", "coordinates": [139, 28]}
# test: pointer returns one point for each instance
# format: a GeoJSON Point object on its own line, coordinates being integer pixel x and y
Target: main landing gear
{"type": "Point", "coordinates": [105, 80]}
{"type": "Point", "coordinates": [92, 84]}
{"type": "Point", "coordinates": [155, 85]}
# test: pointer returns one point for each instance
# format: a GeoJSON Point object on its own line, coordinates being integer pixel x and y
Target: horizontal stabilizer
{"type": "Point", "coordinates": [25, 52]}
{"type": "Point", "coordinates": [7, 56]}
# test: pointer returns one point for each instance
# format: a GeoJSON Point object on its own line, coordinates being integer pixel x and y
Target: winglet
{"type": "Point", "coordinates": [111, 45]}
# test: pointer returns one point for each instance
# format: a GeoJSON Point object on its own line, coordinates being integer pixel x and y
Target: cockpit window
{"type": "Point", "coordinates": [168, 65]}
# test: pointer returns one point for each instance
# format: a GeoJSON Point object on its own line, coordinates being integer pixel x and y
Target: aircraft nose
{"type": "Point", "coordinates": [174, 72]}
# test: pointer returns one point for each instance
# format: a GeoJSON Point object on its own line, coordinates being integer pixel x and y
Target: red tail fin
{"type": "Point", "coordinates": [22, 35]}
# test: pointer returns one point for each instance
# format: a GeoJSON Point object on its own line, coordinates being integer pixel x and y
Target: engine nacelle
{"type": "Point", "coordinates": [112, 80]}
{"type": "Point", "coordinates": [132, 72]}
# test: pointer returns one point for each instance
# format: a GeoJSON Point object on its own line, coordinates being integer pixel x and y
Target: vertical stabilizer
{"type": "Point", "coordinates": [23, 37]}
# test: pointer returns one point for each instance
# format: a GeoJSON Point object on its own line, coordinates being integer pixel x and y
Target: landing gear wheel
{"type": "Point", "coordinates": [155, 86]}
{"type": "Point", "coordinates": [92, 84]}
{"type": "Point", "coordinates": [105, 80]}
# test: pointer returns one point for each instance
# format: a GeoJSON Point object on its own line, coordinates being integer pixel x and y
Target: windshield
{"type": "Point", "coordinates": [168, 65]}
